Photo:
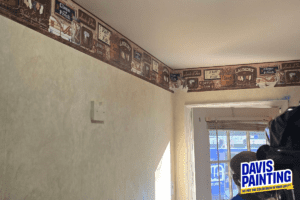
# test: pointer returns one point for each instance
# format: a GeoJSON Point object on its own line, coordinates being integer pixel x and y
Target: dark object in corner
{"type": "Point", "coordinates": [285, 130]}
{"type": "Point", "coordinates": [284, 147]}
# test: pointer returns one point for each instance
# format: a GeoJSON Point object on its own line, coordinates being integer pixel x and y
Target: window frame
{"type": "Point", "coordinates": [229, 157]}
{"type": "Point", "coordinates": [196, 132]}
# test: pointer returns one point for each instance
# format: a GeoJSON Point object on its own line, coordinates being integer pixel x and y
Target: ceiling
{"type": "Point", "coordinates": [202, 33]}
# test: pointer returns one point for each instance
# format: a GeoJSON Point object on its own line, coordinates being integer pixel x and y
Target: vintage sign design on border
{"type": "Point", "coordinates": [147, 65]}
{"type": "Point", "coordinates": [266, 81]}
{"type": "Point", "coordinates": [154, 76]}
{"type": "Point", "coordinates": [137, 55]}
{"type": "Point", "coordinates": [290, 65]}
{"type": "Point", "coordinates": [212, 74]}
{"type": "Point", "coordinates": [104, 34]}
{"type": "Point", "coordinates": [192, 83]}
{"type": "Point", "coordinates": [114, 48]}
{"type": "Point", "coordinates": [136, 67]}
{"type": "Point", "coordinates": [268, 70]}
{"type": "Point", "coordinates": [191, 73]}
{"type": "Point", "coordinates": [292, 76]}
{"type": "Point", "coordinates": [86, 38]}
{"type": "Point", "coordinates": [75, 32]}
{"type": "Point", "coordinates": [165, 76]}
{"type": "Point", "coordinates": [99, 49]}
{"type": "Point", "coordinates": [64, 11]}
{"type": "Point", "coordinates": [86, 19]}
{"type": "Point", "coordinates": [206, 85]}
{"type": "Point", "coordinates": [155, 66]}
{"type": "Point", "coordinates": [147, 58]}
{"type": "Point", "coordinates": [245, 76]}
{"type": "Point", "coordinates": [125, 54]}
{"type": "Point", "coordinates": [147, 70]}
{"type": "Point", "coordinates": [107, 53]}
{"type": "Point", "coordinates": [60, 27]}
{"type": "Point", "coordinates": [174, 77]}
{"type": "Point", "coordinates": [280, 77]}
{"type": "Point", "coordinates": [227, 80]}
{"type": "Point", "coordinates": [37, 11]}
{"type": "Point", "coordinates": [11, 3]}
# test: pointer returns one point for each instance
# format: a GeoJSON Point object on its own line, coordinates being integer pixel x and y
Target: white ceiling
{"type": "Point", "coordinates": [201, 33]}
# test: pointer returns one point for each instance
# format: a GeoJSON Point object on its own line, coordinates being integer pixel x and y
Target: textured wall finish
{"type": "Point", "coordinates": [49, 149]}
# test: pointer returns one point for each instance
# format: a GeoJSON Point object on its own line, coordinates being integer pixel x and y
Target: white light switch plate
{"type": "Point", "coordinates": [98, 111]}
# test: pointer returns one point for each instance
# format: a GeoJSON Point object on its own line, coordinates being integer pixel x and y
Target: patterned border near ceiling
{"type": "Point", "coordinates": [69, 23]}
{"type": "Point", "coordinates": [258, 75]}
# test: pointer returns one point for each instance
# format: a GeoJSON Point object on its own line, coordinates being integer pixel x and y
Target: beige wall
{"type": "Point", "coordinates": [182, 98]}
{"type": "Point", "coordinates": [49, 149]}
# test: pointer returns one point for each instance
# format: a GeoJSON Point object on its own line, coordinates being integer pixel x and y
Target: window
{"type": "Point", "coordinates": [224, 144]}
{"type": "Point", "coordinates": [233, 116]}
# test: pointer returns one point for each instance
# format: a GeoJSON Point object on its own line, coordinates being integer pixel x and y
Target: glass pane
{"type": "Point", "coordinates": [235, 189]}
{"type": "Point", "coordinates": [215, 190]}
{"type": "Point", "coordinates": [257, 139]}
{"type": "Point", "coordinates": [222, 186]}
{"type": "Point", "coordinates": [222, 145]}
{"type": "Point", "coordinates": [213, 145]}
{"type": "Point", "coordinates": [225, 191]}
{"type": "Point", "coordinates": [238, 142]}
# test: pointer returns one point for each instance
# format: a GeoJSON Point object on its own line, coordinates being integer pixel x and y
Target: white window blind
{"type": "Point", "coordinates": [241, 124]}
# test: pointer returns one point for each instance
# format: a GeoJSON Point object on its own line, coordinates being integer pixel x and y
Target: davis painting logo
{"type": "Point", "coordinates": [259, 176]}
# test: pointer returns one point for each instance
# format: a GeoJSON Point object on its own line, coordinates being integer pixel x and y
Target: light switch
{"type": "Point", "coordinates": [98, 111]}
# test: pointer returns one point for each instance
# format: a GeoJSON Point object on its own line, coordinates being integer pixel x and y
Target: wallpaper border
{"type": "Point", "coordinates": [9, 15]}
{"type": "Point", "coordinates": [69, 23]}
